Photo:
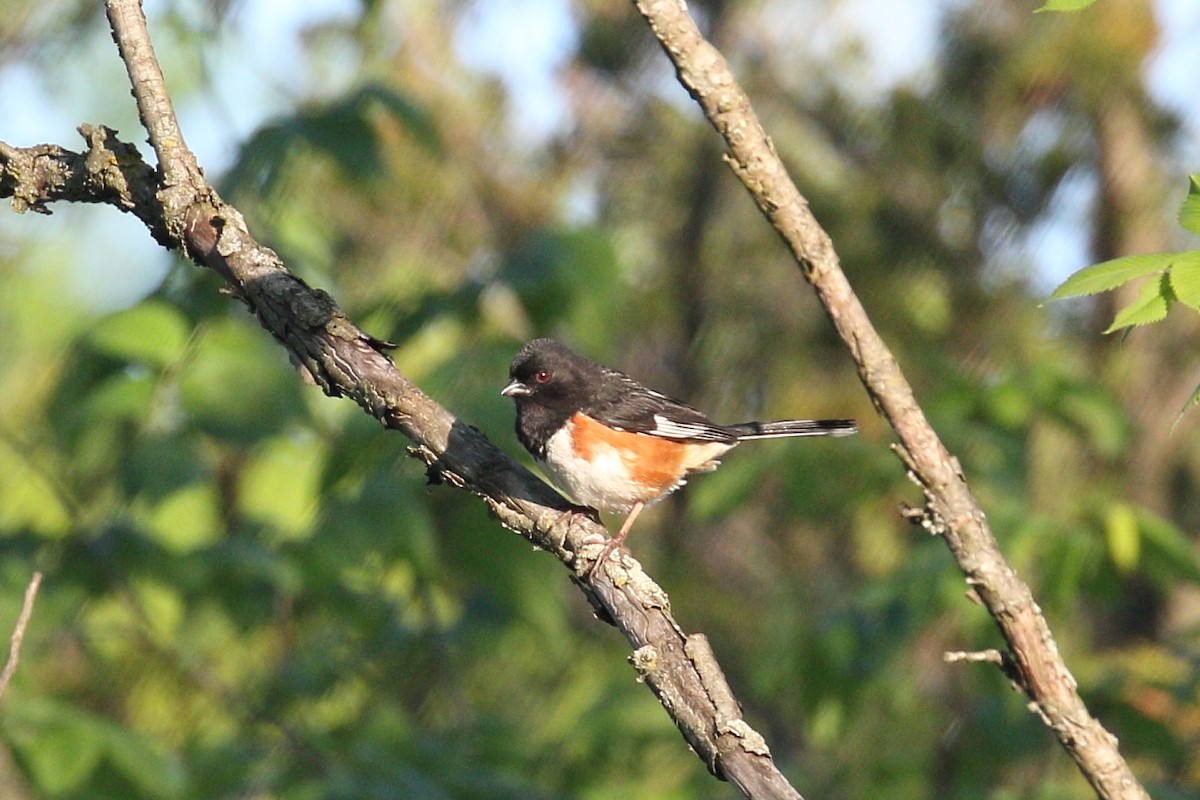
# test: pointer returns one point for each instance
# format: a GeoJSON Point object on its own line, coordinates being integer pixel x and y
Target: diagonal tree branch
{"type": "Point", "coordinates": [951, 510]}
{"type": "Point", "coordinates": [183, 211]}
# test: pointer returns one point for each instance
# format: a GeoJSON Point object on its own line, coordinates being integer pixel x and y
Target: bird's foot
{"type": "Point", "coordinates": [601, 557]}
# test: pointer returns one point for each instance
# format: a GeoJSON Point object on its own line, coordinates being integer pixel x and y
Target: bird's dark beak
{"type": "Point", "coordinates": [516, 389]}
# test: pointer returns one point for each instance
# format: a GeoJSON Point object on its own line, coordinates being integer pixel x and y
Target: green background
{"type": "Point", "coordinates": [251, 593]}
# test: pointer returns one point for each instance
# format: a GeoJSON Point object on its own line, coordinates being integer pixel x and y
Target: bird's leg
{"type": "Point", "coordinates": [619, 539]}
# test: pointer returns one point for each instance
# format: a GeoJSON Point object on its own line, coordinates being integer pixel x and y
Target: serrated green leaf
{"type": "Point", "coordinates": [1110, 274]}
{"type": "Point", "coordinates": [151, 333]}
{"type": "Point", "coordinates": [1153, 300]}
{"type": "Point", "coordinates": [1064, 5]}
{"type": "Point", "coordinates": [1185, 278]}
{"type": "Point", "coordinates": [1189, 214]}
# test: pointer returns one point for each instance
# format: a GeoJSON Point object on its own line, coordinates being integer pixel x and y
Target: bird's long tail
{"type": "Point", "coordinates": [794, 427]}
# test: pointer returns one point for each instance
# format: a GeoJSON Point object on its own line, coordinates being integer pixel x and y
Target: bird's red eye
{"type": "Point", "coordinates": [541, 376]}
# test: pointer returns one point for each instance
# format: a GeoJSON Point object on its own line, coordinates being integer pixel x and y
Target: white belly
{"type": "Point", "coordinates": [604, 480]}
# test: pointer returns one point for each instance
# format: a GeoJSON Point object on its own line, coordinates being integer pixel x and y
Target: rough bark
{"type": "Point", "coordinates": [183, 211]}
{"type": "Point", "coordinates": [951, 511]}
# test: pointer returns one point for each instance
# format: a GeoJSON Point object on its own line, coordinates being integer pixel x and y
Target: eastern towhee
{"type": "Point", "coordinates": [611, 443]}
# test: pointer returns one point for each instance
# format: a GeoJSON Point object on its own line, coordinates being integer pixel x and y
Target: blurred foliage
{"type": "Point", "coordinates": [250, 592]}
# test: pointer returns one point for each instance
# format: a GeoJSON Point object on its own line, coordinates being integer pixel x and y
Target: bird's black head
{"type": "Point", "coordinates": [547, 373]}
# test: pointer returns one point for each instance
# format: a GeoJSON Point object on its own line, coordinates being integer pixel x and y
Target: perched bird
{"type": "Point", "coordinates": [610, 443]}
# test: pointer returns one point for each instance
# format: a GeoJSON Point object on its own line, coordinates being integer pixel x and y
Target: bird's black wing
{"type": "Point", "coordinates": [624, 403]}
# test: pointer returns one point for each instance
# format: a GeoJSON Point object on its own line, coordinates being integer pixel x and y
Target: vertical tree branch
{"type": "Point", "coordinates": [951, 510]}
{"type": "Point", "coordinates": [18, 634]}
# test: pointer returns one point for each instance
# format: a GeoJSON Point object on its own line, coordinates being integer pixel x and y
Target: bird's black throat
{"type": "Point", "coordinates": [537, 422]}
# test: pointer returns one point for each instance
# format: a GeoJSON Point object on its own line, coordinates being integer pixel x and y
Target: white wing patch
{"type": "Point", "coordinates": [671, 429]}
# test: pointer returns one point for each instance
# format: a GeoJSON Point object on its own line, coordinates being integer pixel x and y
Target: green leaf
{"type": "Point", "coordinates": [408, 112]}
{"type": "Point", "coordinates": [280, 484]}
{"type": "Point", "coordinates": [1189, 214]}
{"type": "Point", "coordinates": [1064, 5]}
{"type": "Point", "coordinates": [59, 745]}
{"type": "Point", "coordinates": [1124, 539]}
{"type": "Point", "coordinates": [1151, 305]}
{"type": "Point", "coordinates": [1190, 404]}
{"type": "Point", "coordinates": [187, 519]}
{"type": "Point", "coordinates": [151, 333]}
{"type": "Point", "coordinates": [29, 498]}
{"type": "Point", "coordinates": [1110, 274]}
{"type": "Point", "coordinates": [159, 464]}
{"type": "Point", "coordinates": [154, 772]}
{"type": "Point", "coordinates": [124, 396]}
{"type": "Point", "coordinates": [1098, 417]}
{"type": "Point", "coordinates": [1185, 278]}
{"type": "Point", "coordinates": [238, 385]}
{"type": "Point", "coordinates": [344, 134]}
{"type": "Point", "coordinates": [1169, 552]}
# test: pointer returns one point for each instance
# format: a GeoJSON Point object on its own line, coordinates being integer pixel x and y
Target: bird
{"type": "Point", "coordinates": [612, 444]}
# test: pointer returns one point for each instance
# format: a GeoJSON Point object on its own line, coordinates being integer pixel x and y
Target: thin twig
{"type": "Point", "coordinates": [128, 22]}
{"type": "Point", "coordinates": [18, 634]}
{"type": "Point", "coordinates": [989, 656]}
